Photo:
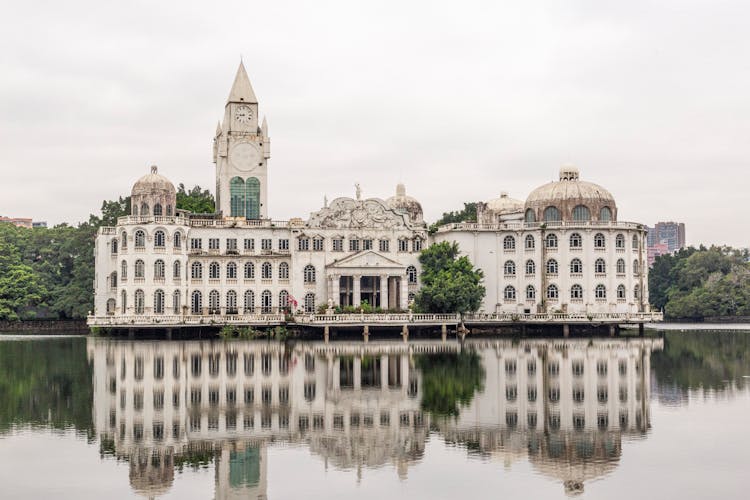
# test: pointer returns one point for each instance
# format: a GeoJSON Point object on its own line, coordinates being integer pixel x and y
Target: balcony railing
{"type": "Point", "coordinates": [516, 226]}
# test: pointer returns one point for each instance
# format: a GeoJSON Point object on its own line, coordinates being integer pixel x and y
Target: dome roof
{"type": "Point", "coordinates": [405, 204]}
{"type": "Point", "coordinates": [570, 192]}
{"type": "Point", "coordinates": [153, 183]}
{"type": "Point", "coordinates": [505, 204]}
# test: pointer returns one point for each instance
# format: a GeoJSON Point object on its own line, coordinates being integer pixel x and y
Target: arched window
{"type": "Point", "coordinates": [266, 271]}
{"type": "Point", "coordinates": [552, 266]}
{"type": "Point", "coordinates": [552, 214]}
{"type": "Point", "coordinates": [530, 292]}
{"type": "Point", "coordinates": [159, 239]}
{"type": "Point", "coordinates": [621, 292]}
{"type": "Point", "coordinates": [309, 273]}
{"type": "Point", "coordinates": [249, 302]}
{"type": "Point", "coordinates": [530, 216]}
{"type": "Point", "coordinates": [140, 269]}
{"type": "Point", "coordinates": [140, 239]}
{"type": "Point", "coordinates": [284, 271]}
{"type": "Point", "coordinates": [620, 241]}
{"type": "Point", "coordinates": [411, 274]}
{"type": "Point", "coordinates": [169, 210]}
{"type": "Point", "coordinates": [576, 266]}
{"type": "Point", "coordinates": [111, 306]}
{"type": "Point", "coordinates": [176, 302]}
{"type": "Point", "coordinates": [213, 302]}
{"type": "Point", "coordinates": [113, 279]}
{"type": "Point", "coordinates": [599, 241]}
{"type": "Point", "coordinates": [231, 302]}
{"type": "Point", "coordinates": [159, 269]}
{"type": "Point", "coordinates": [637, 292]}
{"type": "Point", "coordinates": [551, 241]}
{"type": "Point", "coordinates": [530, 267]}
{"type": "Point", "coordinates": [144, 209]}
{"type": "Point", "coordinates": [310, 303]}
{"type": "Point", "coordinates": [114, 246]}
{"type": "Point", "coordinates": [576, 292]}
{"type": "Point", "coordinates": [157, 209]}
{"type": "Point", "coordinates": [140, 300]}
{"type": "Point", "coordinates": [237, 197]}
{"type": "Point", "coordinates": [249, 271]}
{"type": "Point", "coordinates": [134, 210]}
{"type": "Point", "coordinates": [124, 240]}
{"type": "Point", "coordinates": [284, 300]}
{"type": "Point", "coordinates": [576, 241]}
{"type": "Point", "coordinates": [600, 292]}
{"type": "Point", "coordinates": [605, 214]}
{"type": "Point", "coordinates": [552, 292]}
{"type": "Point", "coordinates": [529, 242]}
{"type": "Point", "coordinates": [196, 303]}
{"type": "Point", "coordinates": [600, 267]}
{"type": "Point", "coordinates": [159, 301]}
{"type": "Point", "coordinates": [635, 242]}
{"type": "Point", "coordinates": [620, 266]}
{"type": "Point", "coordinates": [636, 268]}
{"type": "Point", "coordinates": [581, 213]}
{"type": "Point", "coordinates": [124, 301]}
{"type": "Point", "coordinates": [231, 271]}
{"type": "Point", "coordinates": [509, 268]}
{"type": "Point", "coordinates": [178, 239]}
{"type": "Point", "coordinates": [509, 243]}
{"type": "Point", "coordinates": [214, 271]}
{"type": "Point", "coordinates": [176, 270]}
{"type": "Point", "coordinates": [196, 271]}
{"type": "Point", "coordinates": [252, 189]}
{"type": "Point", "coordinates": [265, 302]}
{"type": "Point", "coordinates": [124, 270]}
{"type": "Point", "coordinates": [509, 293]}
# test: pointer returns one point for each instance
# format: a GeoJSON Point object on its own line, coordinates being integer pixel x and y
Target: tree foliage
{"type": "Point", "coordinates": [449, 381]}
{"type": "Point", "coordinates": [450, 283]}
{"type": "Point", "coordinates": [468, 214]}
{"type": "Point", "coordinates": [701, 283]}
{"type": "Point", "coordinates": [196, 200]}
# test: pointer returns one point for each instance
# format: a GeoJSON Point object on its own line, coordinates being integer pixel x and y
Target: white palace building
{"type": "Point", "coordinates": [562, 251]}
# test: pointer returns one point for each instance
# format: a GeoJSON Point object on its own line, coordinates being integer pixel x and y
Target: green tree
{"type": "Point", "coordinates": [468, 214]}
{"type": "Point", "coordinates": [20, 289]}
{"type": "Point", "coordinates": [450, 283]}
{"type": "Point", "coordinates": [449, 381]}
{"type": "Point", "coordinates": [196, 200]}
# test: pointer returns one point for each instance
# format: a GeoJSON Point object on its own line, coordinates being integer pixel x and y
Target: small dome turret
{"type": "Point", "coordinates": [406, 204]}
{"type": "Point", "coordinates": [153, 194]}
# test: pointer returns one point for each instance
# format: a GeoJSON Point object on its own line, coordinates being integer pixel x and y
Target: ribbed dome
{"type": "Point", "coordinates": [405, 204]}
{"type": "Point", "coordinates": [153, 183]}
{"type": "Point", "coordinates": [570, 193]}
{"type": "Point", "coordinates": [153, 194]}
{"type": "Point", "coordinates": [505, 205]}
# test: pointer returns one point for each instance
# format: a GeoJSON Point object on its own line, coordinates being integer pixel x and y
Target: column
{"type": "Point", "coordinates": [357, 298]}
{"type": "Point", "coordinates": [384, 372]}
{"type": "Point", "coordinates": [384, 291]}
{"type": "Point", "coordinates": [336, 289]}
{"type": "Point", "coordinates": [404, 293]}
{"type": "Point", "coordinates": [357, 373]}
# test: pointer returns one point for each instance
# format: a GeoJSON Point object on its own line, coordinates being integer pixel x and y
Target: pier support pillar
{"type": "Point", "coordinates": [405, 333]}
{"type": "Point", "coordinates": [326, 333]}
{"type": "Point", "coordinates": [612, 330]}
{"type": "Point", "coordinates": [566, 330]}
{"type": "Point", "coordinates": [640, 329]}
{"type": "Point", "coordinates": [444, 332]}
{"type": "Point", "coordinates": [523, 329]}
{"type": "Point", "coordinates": [366, 333]}
{"type": "Point", "coordinates": [131, 333]}
{"type": "Point", "coordinates": [169, 334]}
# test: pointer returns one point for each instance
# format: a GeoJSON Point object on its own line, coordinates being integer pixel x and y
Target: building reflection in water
{"type": "Point", "coordinates": [564, 404]}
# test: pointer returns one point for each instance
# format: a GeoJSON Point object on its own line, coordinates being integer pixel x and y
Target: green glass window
{"type": "Point", "coordinates": [237, 196]}
{"type": "Point", "coordinates": [581, 213]}
{"type": "Point", "coordinates": [252, 200]}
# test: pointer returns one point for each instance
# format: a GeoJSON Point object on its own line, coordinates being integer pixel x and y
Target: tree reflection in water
{"type": "Point", "coordinates": [449, 381]}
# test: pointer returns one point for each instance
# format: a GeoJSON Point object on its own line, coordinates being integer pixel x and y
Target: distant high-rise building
{"type": "Point", "coordinates": [17, 221]}
{"type": "Point", "coordinates": [39, 224]}
{"type": "Point", "coordinates": [671, 234]}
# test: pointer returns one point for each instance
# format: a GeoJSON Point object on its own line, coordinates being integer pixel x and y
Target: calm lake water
{"type": "Point", "coordinates": [659, 417]}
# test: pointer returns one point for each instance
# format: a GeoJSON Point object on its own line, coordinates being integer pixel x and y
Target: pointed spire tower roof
{"type": "Point", "coordinates": [242, 91]}
{"type": "Point", "coordinates": [264, 127]}
{"type": "Point", "coordinates": [218, 129]}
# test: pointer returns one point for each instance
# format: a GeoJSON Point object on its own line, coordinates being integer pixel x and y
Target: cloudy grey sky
{"type": "Point", "coordinates": [458, 100]}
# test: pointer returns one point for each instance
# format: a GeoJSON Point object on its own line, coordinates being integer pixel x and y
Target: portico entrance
{"type": "Point", "coordinates": [368, 277]}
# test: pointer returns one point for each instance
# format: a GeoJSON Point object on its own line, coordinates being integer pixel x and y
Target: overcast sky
{"type": "Point", "coordinates": [458, 100]}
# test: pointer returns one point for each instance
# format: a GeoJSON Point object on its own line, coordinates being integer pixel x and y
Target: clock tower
{"type": "Point", "coordinates": [241, 152]}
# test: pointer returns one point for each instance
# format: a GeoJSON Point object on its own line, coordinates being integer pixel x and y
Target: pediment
{"type": "Point", "coordinates": [368, 259]}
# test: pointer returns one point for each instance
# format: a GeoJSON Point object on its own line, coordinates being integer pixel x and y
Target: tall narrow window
{"type": "Point", "coordinates": [159, 302]}
{"type": "Point", "coordinates": [249, 271]}
{"type": "Point", "coordinates": [249, 305]}
{"type": "Point", "coordinates": [509, 269]}
{"type": "Point", "coordinates": [283, 271]}
{"type": "Point", "coordinates": [599, 241]}
{"type": "Point", "coordinates": [266, 271]}
{"type": "Point", "coordinates": [140, 269]}
{"type": "Point", "coordinates": [157, 209]}
{"type": "Point", "coordinates": [411, 274]}
{"type": "Point", "coordinates": [140, 239]}
{"type": "Point", "coordinates": [252, 190]}
{"type": "Point", "coordinates": [196, 271]}
{"type": "Point", "coordinates": [509, 243]}
{"type": "Point", "coordinates": [196, 303]}
{"type": "Point", "coordinates": [530, 267]}
{"type": "Point", "coordinates": [231, 302]}
{"type": "Point", "coordinates": [159, 269]}
{"type": "Point", "coordinates": [284, 299]}
{"type": "Point", "coordinates": [139, 301]}
{"type": "Point", "coordinates": [309, 274]}
{"type": "Point", "coordinates": [176, 302]}
{"type": "Point", "coordinates": [310, 303]}
{"type": "Point", "coordinates": [213, 302]}
{"type": "Point", "coordinates": [231, 271]}
{"type": "Point", "coordinates": [265, 302]}
{"type": "Point", "coordinates": [237, 197]}
{"type": "Point", "coordinates": [177, 270]}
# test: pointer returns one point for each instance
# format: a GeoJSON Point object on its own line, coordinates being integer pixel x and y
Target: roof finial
{"type": "Point", "coordinates": [154, 169]}
{"type": "Point", "coordinates": [358, 191]}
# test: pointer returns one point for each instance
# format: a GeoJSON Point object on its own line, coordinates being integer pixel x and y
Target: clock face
{"type": "Point", "coordinates": [245, 156]}
{"type": "Point", "coordinates": [243, 114]}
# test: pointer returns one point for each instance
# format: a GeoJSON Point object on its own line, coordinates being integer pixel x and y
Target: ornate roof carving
{"type": "Point", "coordinates": [348, 213]}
